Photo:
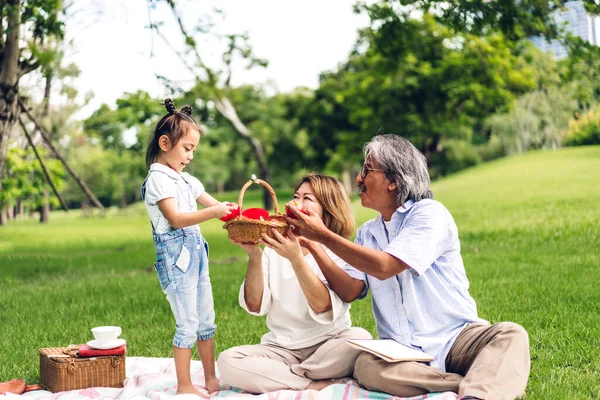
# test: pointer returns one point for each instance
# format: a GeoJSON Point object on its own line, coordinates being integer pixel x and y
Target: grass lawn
{"type": "Point", "coordinates": [529, 228]}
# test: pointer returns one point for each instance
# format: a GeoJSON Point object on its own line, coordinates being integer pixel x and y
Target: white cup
{"type": "Point", "coordinates": [106, 334]}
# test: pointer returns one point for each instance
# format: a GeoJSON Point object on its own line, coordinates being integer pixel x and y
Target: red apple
{"type": "Point", "coordinates": [231, 215]}
{"type": "Point", "coordinates": [298, 205]}
{"type": "Point", "coordinates": [256, 213]}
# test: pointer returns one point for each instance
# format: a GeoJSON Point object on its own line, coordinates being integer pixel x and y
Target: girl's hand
{"type": "Point", "coordinates": [286, 246]}
{"type": "Point", "coordinates": [222, 209]}
{"type": "Point", "coordinates": [251, 249]}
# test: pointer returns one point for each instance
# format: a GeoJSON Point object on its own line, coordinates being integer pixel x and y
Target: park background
{"type": "Point", "coordinates": [510, 133]}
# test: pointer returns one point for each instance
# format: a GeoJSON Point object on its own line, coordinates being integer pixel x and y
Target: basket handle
{"type": "Point", "coordinates": [252, 180]}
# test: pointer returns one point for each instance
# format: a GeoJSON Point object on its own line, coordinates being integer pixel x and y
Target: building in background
{"type": "Point", "coordinates": [578, 22]}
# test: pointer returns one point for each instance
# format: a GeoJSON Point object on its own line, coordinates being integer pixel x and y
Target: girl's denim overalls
{"type": "Point", "coordinates": [182, 267]}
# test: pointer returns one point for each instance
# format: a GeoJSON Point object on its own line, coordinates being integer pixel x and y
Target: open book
{"type": "Point", "coordinates": [390, 350]}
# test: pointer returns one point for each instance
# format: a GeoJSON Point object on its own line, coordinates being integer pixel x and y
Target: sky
{"type": "Point", "coordinates": [117, 54]}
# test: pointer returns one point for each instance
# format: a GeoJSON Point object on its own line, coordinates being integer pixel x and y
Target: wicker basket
{"type": "Point", "coordinates": [61, 369]}
{"type": "Point", "coordinates": [249, 231]}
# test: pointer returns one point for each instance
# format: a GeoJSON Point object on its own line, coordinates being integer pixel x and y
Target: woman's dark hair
{"type": "Point", "coordinates": [174, 125]}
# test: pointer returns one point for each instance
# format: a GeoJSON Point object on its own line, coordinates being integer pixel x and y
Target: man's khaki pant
{"type": "Point", "coordinates": [487, 362]}
{"type": "Point", "coordinates": [266, 368]}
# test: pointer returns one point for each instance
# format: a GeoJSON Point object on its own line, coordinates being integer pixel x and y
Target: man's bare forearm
{"type": "Point", "coordinates": [372, 262]}
{"type": "Point", "coordinates": [346, 287]}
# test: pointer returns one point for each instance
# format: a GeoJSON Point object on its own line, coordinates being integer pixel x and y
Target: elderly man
{"type": "Point", "coordinates": [410, 257]}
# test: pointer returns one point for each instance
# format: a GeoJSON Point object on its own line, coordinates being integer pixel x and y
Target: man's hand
{"type": "Point", "coordinates": [308, 224]}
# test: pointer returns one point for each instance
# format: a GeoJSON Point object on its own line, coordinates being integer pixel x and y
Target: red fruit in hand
{"type": "Point", "coordinates": [298, 205]}
{"type": "Point", "coordinates": [256, 213]}
{"type": "Point", "coordinates": [231, 215]}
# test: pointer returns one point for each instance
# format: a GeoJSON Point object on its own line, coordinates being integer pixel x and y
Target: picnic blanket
{"type": "Point", "coordinates": [154, 378]}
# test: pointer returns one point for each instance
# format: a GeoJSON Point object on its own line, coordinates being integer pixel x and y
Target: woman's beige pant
{"type": "Point", "coordinates": [487, 362]}
{"type": "Point", "coordinates": [265, 368]}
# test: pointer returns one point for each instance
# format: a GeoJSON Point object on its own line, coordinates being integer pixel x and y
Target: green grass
{"type": "Point", "coordinates": [530, 240]}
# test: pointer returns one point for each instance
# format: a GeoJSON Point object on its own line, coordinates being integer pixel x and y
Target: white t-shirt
{"type": "Point", "coordinates": [291, 321]}
{"type": "Point", "coordinates": [163, 182]}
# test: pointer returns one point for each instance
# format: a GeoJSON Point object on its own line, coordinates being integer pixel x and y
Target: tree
{"type": "Point", "coordinates": [224, 159]}
{"type": "Point", "coordinates": [537, 120]}
{"type": "Point", "coordinates": [422, 80]}
{"type": "Point", "coordinates": [123, 133]}
{"type": "Point", "coordinates": [216, 82]}
{"type": "Point", "coordinates": [41, 19]}
{"type": "Point", "coordinates": [24, 180]}
{"type": "Point", "coordinates": [516, 20]}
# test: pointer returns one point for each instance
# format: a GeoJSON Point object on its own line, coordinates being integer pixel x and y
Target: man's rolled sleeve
{"type": "Point", "coordinates": [353, 272]}
{"type": "Point", "coordinates": [420, 242]}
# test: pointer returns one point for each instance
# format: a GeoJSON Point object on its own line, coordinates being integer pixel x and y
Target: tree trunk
{"type": "Point", "coordinates": [220, 187]}
{"type": "Point", "coordinates": [86, 209]}
{"type": "Point", "coordinates": [347, 180]}
{"type": "Point", "coordinates": [43, 165]}
{"type": "Point", "coordinates": [45, 208]}
{"type": "Point", "coordinates": [10, 212]}
{"type": "Point", "coordinates": [46, 138]}
{"type": "Point", "coordinates": [3, 218]}
{"type": "Point", "coordinates": [47, 90]}
{"type": "Point", "coordinates": [123, 196]}
{"type": "Point", "coordinates": [9, 80]}
{"type": "Point", "coordinates": [226, 109]}
{"type": "Point", "coordinates": [21, 209]}
{"type": "Point", "coordinates": [432, 148]}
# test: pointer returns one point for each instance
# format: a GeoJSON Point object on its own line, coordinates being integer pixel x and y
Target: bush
{"type": "Point", "coordinates": [455, 155]}
{"type": "Point", "coordinates": [536, 121]}
{"type": "Point", "coordinates": [584, 130]}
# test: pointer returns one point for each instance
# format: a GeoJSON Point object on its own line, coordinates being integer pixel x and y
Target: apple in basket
{"type": "Point", "coordinates": [296, 204]}
{"type": "Point", "coordinates": [256, 213]}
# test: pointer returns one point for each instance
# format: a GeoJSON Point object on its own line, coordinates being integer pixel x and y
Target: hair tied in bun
{"type": "Point", "coordinates": [170, 106]}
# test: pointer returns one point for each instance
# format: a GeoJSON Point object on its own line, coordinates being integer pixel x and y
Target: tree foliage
{"type": "Point", "coordinates": [516, 20]}
{"type": "Point", "coordinates": [29, 30]}
{"type": "Point", "coordinates": [418, 78]}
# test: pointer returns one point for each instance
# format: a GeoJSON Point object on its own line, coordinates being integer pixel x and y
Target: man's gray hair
{"type": "Point", "coordinates": [403, 164]}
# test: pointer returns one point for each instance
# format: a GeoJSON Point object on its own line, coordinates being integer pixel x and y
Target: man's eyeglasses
{"type": "Point", "coordinates": [365, 171]}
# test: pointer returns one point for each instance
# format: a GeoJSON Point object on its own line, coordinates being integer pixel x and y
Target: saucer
{"type": "Point", "coordinates": [106, 345]}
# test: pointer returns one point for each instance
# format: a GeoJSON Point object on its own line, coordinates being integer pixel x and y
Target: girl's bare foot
{"type": "Point", "coordinates": [190, 389]}
{"type": "Point", "coordinates": [318, 385]}
{"type": "Point", "coordinates": [212, 385]}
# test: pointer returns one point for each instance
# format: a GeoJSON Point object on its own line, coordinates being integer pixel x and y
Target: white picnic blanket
{"type": "Point", "coordinates": [155, 379]}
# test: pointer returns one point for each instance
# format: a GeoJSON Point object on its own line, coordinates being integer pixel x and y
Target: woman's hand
{"type": "Point", "coordinates": [308, 224]}
{"type": "Point", "coordinates": [251, 249]}
{"type": "Point", "coordinates": [286, 246]}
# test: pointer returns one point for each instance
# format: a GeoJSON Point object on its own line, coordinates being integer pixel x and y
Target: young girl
{"type": "Point", "coordinates": [309, 325]}
{"type": "Point", "coordinates": [181, 251]}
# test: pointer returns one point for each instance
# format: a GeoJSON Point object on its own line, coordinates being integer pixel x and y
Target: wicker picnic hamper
{"type": "Point", "coordinates": [246, 230]}
{"type": "Point", "coordinates": [61, 370]}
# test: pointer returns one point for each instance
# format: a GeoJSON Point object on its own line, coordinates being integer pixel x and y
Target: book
{"type": "Point", "coordinates": [390, 350]}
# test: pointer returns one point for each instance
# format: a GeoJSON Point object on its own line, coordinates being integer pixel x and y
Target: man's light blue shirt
{"type": "Point", "coordinates": [428, 305]}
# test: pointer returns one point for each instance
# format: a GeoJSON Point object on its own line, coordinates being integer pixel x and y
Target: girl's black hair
{"type": "Point", "coordinates": [174, 125]}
